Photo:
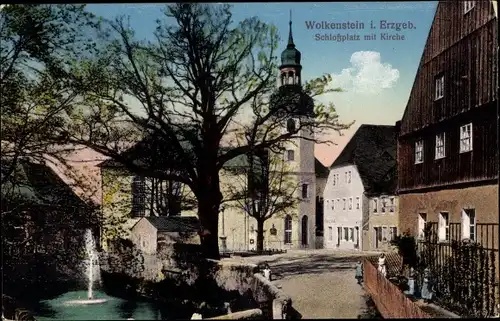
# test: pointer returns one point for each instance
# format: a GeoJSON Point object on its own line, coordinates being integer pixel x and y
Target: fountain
{"type": "Point", "coordinates": [92, 265]}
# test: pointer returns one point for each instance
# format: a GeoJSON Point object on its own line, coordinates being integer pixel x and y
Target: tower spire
{"type": "Point", "coordinates": [290, 37]}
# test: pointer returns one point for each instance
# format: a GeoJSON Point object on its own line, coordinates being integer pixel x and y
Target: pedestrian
{"type": "Point", "coordinates": [359, 272]}
{"type": "Point", "coordinates": [381, 265]}
{"type": "Point", "coordinates": [427, 292]}
{"type": "Point", "coordinates": [267, 271]}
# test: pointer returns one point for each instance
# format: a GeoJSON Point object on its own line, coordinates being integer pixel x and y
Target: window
{"type": "Point", "coordinates": [338, 179]}
{"type": "Point", "coordinates": [391, 209]}
{"type": "Point", "coordinates": [419, 152]}
{"type": "Point", "coordinates": [305, 191]}
{"type": "Point", "coordinates": [439, 87]}
{"type": "Point", "coordinates": [330, 233]}
{"type": "Point", "coordinates": [339, 235]}
{"type": "Point", "coordinates": [422, 219]}
{"type": "Point", "coordinates": [466, 138]}
{"type": "Point", "coordinates": [468, 5]}
{"type": "Point", "coordinates": [384, 234]}
{"type": "Point", "coordinates": [469, 224]}
{"type": "Point", "coordinates": [344, 203]}
{"type": "Point", "coordinates": [350, 203]}
{"type": "Point", "coordinates": [358, 203]}
{"type": "Point", "coordinates": [394, 233]}
{"type": "Point", "coordinates": [384, 204]}
{"type": "Point", "coordinates": [348, 176]}
{"type": "Point", "coordinates": [444, 226]}
{"type": "Point", "coordinates": [290, 155]}
{"type": "Point", "coordinates": [288, 229]}
{"type": "Point", "coordinates": [440, 151]}
{"type": "Point", "coordinates": [290, 125]}
{"type": "Point", "coordinates": [351, 234]}
{"type": "Point", "coordinates": [375, 206]}
{"type": "Point", "coordinates": [138, 196]}
{"type": "Point", "coordinates": [346, 233]}
{"type": "Point", "coordinates": [334, 179]}
{"type": "Point", "coordinates": [333, 205]}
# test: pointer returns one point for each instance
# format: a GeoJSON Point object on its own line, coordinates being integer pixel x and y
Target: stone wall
{"type": "Point", "coordinates": [273, 302]}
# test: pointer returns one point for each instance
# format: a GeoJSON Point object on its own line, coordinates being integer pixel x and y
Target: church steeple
{"type": "Point", "coordinates": [290, 36]}
{"type": "Point", "coordinates": [290, 61]}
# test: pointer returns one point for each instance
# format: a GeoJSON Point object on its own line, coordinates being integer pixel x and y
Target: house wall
{"type": "Point", "coordinates": [144, 235]}
{"type": "Point", "coordinates": [335, 216]}
{"type": "Point", "coordinates": [382, 219]}
{"type": "Point", "coordinates": [484, 199]}
{"type": "Point", "coordinates": [117, 204]}
{"type": "Point", "coordinates": [237, 225]}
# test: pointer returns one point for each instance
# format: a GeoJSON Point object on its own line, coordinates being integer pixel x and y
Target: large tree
{"type": "Point", "coordinates": [202, 82]}
{"type": "Point", "coordinates": [39, 43]}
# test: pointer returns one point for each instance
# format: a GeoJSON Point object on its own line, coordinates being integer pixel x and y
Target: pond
{"type": "Point", "coordinates": [75, 306]}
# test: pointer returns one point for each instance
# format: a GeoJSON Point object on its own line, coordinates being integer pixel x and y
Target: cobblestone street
{"type": "Point", "coordinates": [320, 282]}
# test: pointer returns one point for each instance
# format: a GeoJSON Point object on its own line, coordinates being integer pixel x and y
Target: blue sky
{"type": "Point", "coordinates": [376, 74]}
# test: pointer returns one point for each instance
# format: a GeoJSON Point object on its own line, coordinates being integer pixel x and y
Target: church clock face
{"type": "Point", "coordinates": [290, 125]}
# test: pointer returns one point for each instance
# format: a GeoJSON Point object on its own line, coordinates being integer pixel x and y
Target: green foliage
{"type": "Point", "coordinates": [464, 274]}
{"type": "Point", "coordinates": [407, 248]}
{"type": "Point", "coordinates": [124, 258]}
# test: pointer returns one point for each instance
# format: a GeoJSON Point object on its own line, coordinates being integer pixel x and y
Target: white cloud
{"type": "Point", "coordinates": [367, 74]}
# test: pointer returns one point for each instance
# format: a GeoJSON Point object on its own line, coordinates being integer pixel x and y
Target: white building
{"type": "Point", "coordinates": [359, 172]}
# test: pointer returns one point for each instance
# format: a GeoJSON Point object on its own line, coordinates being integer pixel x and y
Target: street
{"type": "Point", "coordinates": [320, 282]}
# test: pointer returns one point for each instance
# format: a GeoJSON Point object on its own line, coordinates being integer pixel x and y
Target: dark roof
{"type": "Point", "coordinates": [37, 184]}
{"type": "Point", "coordinates": [290, 56]}
{"type": "Point", "coordinates": [320, 169]}
{"type": "Point", "coordinates": [373, 150]}
{"type": "Point", "coordinates": [174, 223]}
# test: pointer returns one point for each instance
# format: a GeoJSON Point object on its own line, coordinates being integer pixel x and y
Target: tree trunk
{"type": "Point", "coordinates": [208, 212]}
{"type": "Point", "coordinates": [260, 236]}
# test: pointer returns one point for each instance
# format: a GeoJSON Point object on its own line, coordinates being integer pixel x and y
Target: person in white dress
{"type": "Point", "coordinates": [381, 265]}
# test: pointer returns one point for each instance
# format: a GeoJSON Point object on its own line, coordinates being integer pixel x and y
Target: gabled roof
{"type": "Point", "coordinates": [320, 169]}
{"type": "Point", "coordinates": [372, 150]}
{"type": "Point", "coordinates": [37, 184]}
{"type": "Point", "coordinates": [174, 223]}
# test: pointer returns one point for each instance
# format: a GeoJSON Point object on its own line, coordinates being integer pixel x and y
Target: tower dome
{"type": "Point", "coordinates": [290, 57]}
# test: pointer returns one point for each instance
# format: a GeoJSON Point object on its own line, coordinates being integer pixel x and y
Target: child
{"type": "Point", "coordinates": [381, 265]}
{"type": "Point", "coordinates": [359, 272]}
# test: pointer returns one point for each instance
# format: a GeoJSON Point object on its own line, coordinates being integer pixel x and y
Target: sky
{"type": "Point", "coordinates": [376, 75]}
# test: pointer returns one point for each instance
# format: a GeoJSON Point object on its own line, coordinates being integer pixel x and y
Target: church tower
{"type": "Point", "coordinates": [297, 106]}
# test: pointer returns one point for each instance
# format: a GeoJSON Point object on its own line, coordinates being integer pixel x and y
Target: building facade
{"type": "Point", "coordinates": [297, 227]}
{"type": "Point", "coordinates": [363, 173]}
{"type": "Point", "coordinates": [448, 143]}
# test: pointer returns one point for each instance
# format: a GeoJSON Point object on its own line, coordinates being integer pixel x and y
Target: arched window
{"type": "Point", "coordinates": [304, 230]}
{"type": "Point", "coordinates": [291, 78]}
{"type": "Point", "coordinates": [288, 229]}
{"type": "Point", "coordinates": [138, 196]}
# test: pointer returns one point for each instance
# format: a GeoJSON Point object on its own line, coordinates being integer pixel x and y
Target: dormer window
{"type": "Point", "coordinates": [468, 5]}
{"type": "Point", "coordinates": [439, 87]}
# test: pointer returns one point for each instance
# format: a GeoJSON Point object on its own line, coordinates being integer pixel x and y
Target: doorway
{"type": "Point", "coordinates": [304, 230]}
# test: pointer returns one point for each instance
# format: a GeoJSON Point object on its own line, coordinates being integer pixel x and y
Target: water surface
{"type": "Point", "coordinates": [113, 309]}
